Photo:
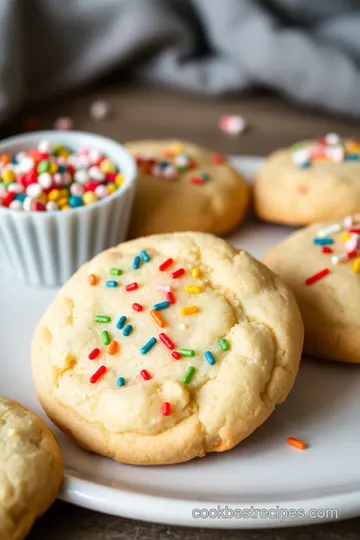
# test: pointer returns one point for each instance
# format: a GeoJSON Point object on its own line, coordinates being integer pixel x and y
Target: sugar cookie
{"type": "Point", "coordinates": [183, 187]}
{"type": "Point", "coordinates": [321, 263]}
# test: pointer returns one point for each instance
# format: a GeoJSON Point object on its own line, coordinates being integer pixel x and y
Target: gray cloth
{"type": "Point", "coordinates": [307, 50]}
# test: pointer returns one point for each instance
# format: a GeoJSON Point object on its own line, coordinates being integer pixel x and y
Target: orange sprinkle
{"type": "Point", "coordinates": [93, 280]}
{"type": "Point", "coordinates": [113, 348]}
{"type": "Point", "coordinates": [297, 443]}
{"type": "Point", "coordinates": [5, 159]}
{"type": "Point", "coordinates": [158, 318]}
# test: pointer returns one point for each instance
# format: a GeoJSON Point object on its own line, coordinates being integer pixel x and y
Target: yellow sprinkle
{"type": "Point", "coordinates": [89, 197]}
{"type": "Point", "coordinates": [111, 188]}
{"type": "Point", "coordinates": [64, 193]}
{"type": "Point", "coordinates": [63, 201]}
{"type": "Point", "coordinates": [8, 175]}
{"type": "Point", "coordinates": [177, 148]}
{"type": "Point", "coordinates": [345, 236]}
{"type": "Point", "coordinates": [65, 207]}
{"type": "Point", "coordinates": [356, 266]}
{"type": "Point", "coordinates": [352, 146]}
{"type": "Point", "coordinates": [189, 310]}
{"type": "Point", "coordinates": [193, 289]}
{"type": "Point", "coordinates": [107, 166]}
{"type": "Point", "coordinates": [64, 153]}
{"type": "Point", "coordinates": [53, 168]}
{"type": "Point", "coordinates": [119, 179]}
{"type": "Point", "coordinates": [195, 272]}
{"type": "Point", "coordinates": [54, 195]}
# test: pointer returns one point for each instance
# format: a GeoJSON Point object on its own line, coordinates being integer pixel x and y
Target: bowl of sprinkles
{"type": "Point", "coordinates": [64, 197]}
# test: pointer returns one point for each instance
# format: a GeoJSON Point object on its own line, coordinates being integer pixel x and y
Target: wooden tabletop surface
{"type": "Point", "coordinates": [142, 112]}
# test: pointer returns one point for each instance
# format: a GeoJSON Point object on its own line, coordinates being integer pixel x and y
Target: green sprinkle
{"type": "Point", "coordinates": [102, 318]}
{"type": "Point", "coordinates": [115, 271]}
{"type": "Point", "coordinates": [224, 344]}
{"type": "Point", "coordinates": [105, 337]}
{"type": "Point", "coordinates": [188, 374]}
{"type": "Point", "coordinates": [43, 166]}
{"type": "Point", "coordinates": [186, 352]}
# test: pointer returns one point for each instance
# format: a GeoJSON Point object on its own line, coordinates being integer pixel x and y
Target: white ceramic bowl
{"type": "Point", "coordinates": [46, 248]}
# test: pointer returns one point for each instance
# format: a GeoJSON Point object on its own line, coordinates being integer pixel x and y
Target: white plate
{"type": "Point", "coordinates": [263, 471]}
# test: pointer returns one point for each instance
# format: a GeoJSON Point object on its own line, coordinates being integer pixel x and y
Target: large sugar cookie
{"type": "Point", "coordinates": [30, 469]}
{"type": "Point", "coordinates": [321, 263]}
{"type": "Point", "coordinates": [312, 181]}
{"type": "Point", "coordinates": [183, 346]}
{"type": "Point", "coordinates": [182, 187]}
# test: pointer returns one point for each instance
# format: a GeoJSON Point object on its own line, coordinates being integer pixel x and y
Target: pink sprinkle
{"type": "Point", "coordinates": [163, 287]}
{"type": "Point", "coordinates": [349, 221]}
{"type": "Point", "coordinates": [64, 123]}
{"type": "Point", "coordinates": [353, 243]}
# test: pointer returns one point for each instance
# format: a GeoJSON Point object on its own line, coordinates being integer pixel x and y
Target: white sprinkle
{"type": "Point", "coordinates": [26, 164]}
{"type": "Point", "coordinates": [20, 156]}
{"type": "Point", "coordinates": [45, 146]}
{"type": "Point", "coordinates": [45, 180]}
{"type": "Point", "coordinates": [51, 206]}
{"type": "Point", "coordinates": [349, 221]}
{"type": "Point", "coordinates": [336, 259]}
{"type": "Point", "coordinates": [94, 155]}
{"type": "Point", "coordinates": [233, 124]}
{"type": "Point", "coordinates": [336, 153]}
{"type": "Point", "coordinates": [336, 227]}
{"type": "Point", "coordinates": [99, 110]}
{"type": "Point", "coordinates": [16, 188]}
{"type": "Point", "coordinates": [28, 202]}
{"type": "Point", "coordinates": [300, 156]}
{"type": "Point", "coordinates": [163, 287]}
{"type": "Point", "coordinates": [101, 191]}
{"type": "Point", "coordinates": [58, 179]}
{"type": "Point", "coordinates": [81, 176]}
{"type": "Point", "coordinates": [183, 326]}
{"type": "Point", "coordinates": [16, 205]}
{"type": "Point", "coordinates": [77, 189]}
{"type": "Point", "coordinates": [332, 138]}
{"type": "Point", "coordinates": [34, 190]}
{"type": "Point", "coordinates": [96, 173]}
{"type": "Point", "coordinates": [82, 162]}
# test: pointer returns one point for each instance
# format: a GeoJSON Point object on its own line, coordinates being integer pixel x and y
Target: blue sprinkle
{"type": "Point", "coordinates": [352, 157]}
{"type": "Point", "coordinates": [205, 176]}
{"type": "Point", "coordinates": [146, 348]}
{"type": "Point", "coordinates": [323, 241]}
{"type": "Point", "coordinates": [121, 381]}
{"type": "Point", "coordinates": [163, 164]}
{"type": "Point", "coordinates": [209, 358]}
{"type": "Point", "coordinates": [136, 262]}
{"type": "Point", "coordinates": [304, 165]}
{"type": "Point", "coordinates": [127, 330]}
{"type": "Point", "coordinates": [20, 197]}
{"type": "Point", "coordinates": [14, 160]}
{"type": "Point", "coordinates": [145, 256]}
{"type": "Point", "coordinates": [111, 283]}
{"type": "Point", "coordinates": [75, 201]}
{"type": "Point", "coordinates": [61, 168]}
{"type": "Point", "coordinates": [121, 322]}
{"type": "Point", "coordinates": [161, 305]}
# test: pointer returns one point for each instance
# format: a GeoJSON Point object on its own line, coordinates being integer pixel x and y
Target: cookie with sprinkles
{"type": "Point", "coordinates": [189, 376]}
{"type": "Point", "coordinates": [184, 187]}
{"type": "Point", "coordinates": [311, 181]}
{"type": "Point", "coordinates": [321, 263]}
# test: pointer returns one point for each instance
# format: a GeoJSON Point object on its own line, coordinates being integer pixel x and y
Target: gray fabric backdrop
{"type": "Point", "coordinates": [307, 50]}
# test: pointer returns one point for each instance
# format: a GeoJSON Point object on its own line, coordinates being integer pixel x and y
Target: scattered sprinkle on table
{"type": "Point", "coordinates": [301, 445]}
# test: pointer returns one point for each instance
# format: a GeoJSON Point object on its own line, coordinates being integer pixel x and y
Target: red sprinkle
{"type": "Point", "coordinates": [91, 186]}
{"type": "Point", "coordinates": [170, 297]}
{"type": "Point", "coordinates": [312, 279]}
{"type": "Point", "coordinates": [167, 341]}
{"type": "Point", "coordinates": [8, 198]}
{"type": "Point", "coordinates": [356, 231]}
{"type": "Point", "coordinates": [176, 355]}
{"type": "Point", "coordinates": [165, 408]}
{"type": "Point", "coordinates": [94, 354]}
{"type": "Point", "coordinates": [352, 254]}
{"type": "Point", "coordinates": [132, 286]}
{"type": "Point", "coordinates": [145, 374]}
{"type": "Point", "coordinates": [137, 307]}
{"type": "Point", "coordinates": [326, 249]}
{"type": "Point", "coordinates": [218, 159]}
{"type": "Point", "coordinates": [99, 373]}
{"type": "Point", "coordinates": [178, 273]}
{"type": "Point", "coordinates": [197, 181]}
{"type": "Point", "coordinates": [165, 265]}
{"type": "Point", "coordinates": [38, 206]}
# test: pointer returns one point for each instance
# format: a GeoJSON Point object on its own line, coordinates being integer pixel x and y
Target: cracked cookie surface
{"type": "Point", "coordinates": [236, 298]}
{"type": "Point", "coordinates": [203, 191]}
{"type": "Point", "coordinates": [30, 469]}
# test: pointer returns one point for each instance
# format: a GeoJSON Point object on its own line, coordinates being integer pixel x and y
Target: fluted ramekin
{"type": "Point", "coordinates": [46, 248]}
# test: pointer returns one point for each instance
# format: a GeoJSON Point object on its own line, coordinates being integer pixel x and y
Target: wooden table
{"type": "Point", "coordinates": [141, 112]}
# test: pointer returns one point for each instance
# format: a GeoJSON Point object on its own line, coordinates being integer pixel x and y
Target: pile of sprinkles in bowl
{"type": "Point", "coordinates": [163, 337]}
{"type": "Point", "coordinates": [53, 177]}
{"type": "Point", "coordinates": [329, 148]}
{"type": "Point", "coordinates": [174, 162]}
{"type": "Point", "coordinates": [350, 236]}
